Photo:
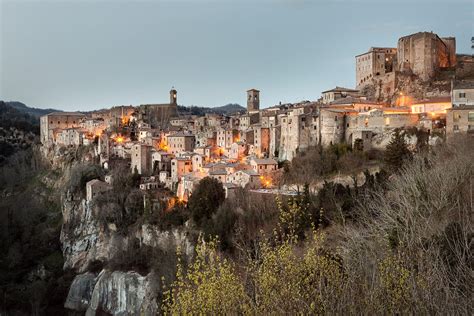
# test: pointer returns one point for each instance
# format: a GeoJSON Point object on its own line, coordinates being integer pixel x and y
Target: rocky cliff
{"type": "Point", "coordinates": [88, 241]}
{"type": "Point", "coordinates": [118, 265]}
{"type": "Point", "coordinates": [114, 292]}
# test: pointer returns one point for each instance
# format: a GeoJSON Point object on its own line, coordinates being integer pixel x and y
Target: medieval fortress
{"type": "Point", "coordinates": [421, 83]}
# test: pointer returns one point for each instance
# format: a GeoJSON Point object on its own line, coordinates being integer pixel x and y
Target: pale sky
{"type": "Point", "coordinates": [84, 55]}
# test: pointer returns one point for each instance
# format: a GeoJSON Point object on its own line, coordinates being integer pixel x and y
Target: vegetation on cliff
{"type": "Point", "coordinates": [408, 249]}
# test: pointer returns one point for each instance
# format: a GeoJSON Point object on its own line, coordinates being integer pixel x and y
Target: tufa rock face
{"type": "Point", "coordinates": [80, 292]}
{"type": "Point", "coordinates": [86, 239]}
{"type": "Point", "coordinates": [116, 293]}
{"type": "Point", "coordinates": [83, 239]}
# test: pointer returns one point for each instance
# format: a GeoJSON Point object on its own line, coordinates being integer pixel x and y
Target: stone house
{"type": "Point", "coordinates": [298, 131]}
{"type": "Point", "coordinates": [226, 137]}
{"type": "Point", "coordinates": [238, 150]}
{"type": "Point", "coordinates": [219, 174]}
{"type": "Point", "coordinates": [71, 137]}
{"type": "Point", "coordinates": [261, 141]}
{"type": "Point", "coordinates": [161, 160]}
{"type": "Point", "coordinates": [180, 166]}
{"type": "Point", "coordinates": [462, 93]}
{"type": "Point", "coordinates": [94, 127]}
{"type": "Point", "coordinates": [249, 179]}
{"type": "Point", "coordinates": [141, 158]}
{"type": "Point", "coordinates": [198, 162]}
{"type": "Point", "coordinates": [337, 93]}
{"type": "Point", "coordinates": [460, 120]}
{"type": "Point", "coordinates": [180, 142]}
{"type": "Point", "coordinates": [95, 187]}
{"type": "Point", "coordinates": [262, 166]}
{"type": "Point", "coordinates": [433, 106]}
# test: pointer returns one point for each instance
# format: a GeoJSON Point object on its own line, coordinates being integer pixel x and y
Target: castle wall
{"type": "Point", "coordinates": [424, 53]}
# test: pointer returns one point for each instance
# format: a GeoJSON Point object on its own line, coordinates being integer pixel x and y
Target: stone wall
{"type": "Point", "coordinates": [424, 53]}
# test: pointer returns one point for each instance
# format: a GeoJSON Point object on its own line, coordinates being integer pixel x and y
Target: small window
{"type": "Point", "coordinates": [470, 117]}
{"type": "Point", "coordinates": [335, 118]}
{"type": "Point", "coordinates": [455, 127]}
{"type": "Point", "coordinates": [462, 94]}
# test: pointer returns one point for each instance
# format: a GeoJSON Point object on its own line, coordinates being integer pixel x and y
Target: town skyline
{"type": "Point", "coordinates": [293, 57]}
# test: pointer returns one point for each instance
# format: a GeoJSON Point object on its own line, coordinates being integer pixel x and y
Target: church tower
{"type": "Point", "coordinates": [173, 96]}
{"type": "Point", "coordinates": [253, 100]}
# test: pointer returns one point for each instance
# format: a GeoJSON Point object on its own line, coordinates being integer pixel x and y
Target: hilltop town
{"type": "Point", "coordinates": [357, 202]}
{"type": "Point", "coordinates": [422, 83]}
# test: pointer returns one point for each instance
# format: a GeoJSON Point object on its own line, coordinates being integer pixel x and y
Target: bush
{"type": "Point", "coordinates": [206, 199]}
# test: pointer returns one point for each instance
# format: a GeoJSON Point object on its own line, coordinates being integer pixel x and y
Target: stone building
{"type": "Point", "coordinates": [375, 122]}
{"type": "Point", "coordinates": [180, 166]}
{"type": "Point", "coordinates": [58, 121]}
{"type": "Point", "coordinates": [356, 104]}
{"type": "Point", "coordinates": [141, 158]}
{"type": "Point", "coordinates": [337, 93]}
{"type": "Point", "coordinates": [460, 120]}
{"type": "Point", "coordinates": [332, 124]}
{"type": "Point", "coordinates": [71, 137]}
{"type": "Point", "coordinates": [226, 137]}
{"type": "Point", "coordinates": [238, 150]}
{"type": "Point", "coordinates": [263, 166]}
{"type": "Point", "coordinates": [160, 115]}
{"type": "Point", "coordinates": [298, 131]}
{"type": "Point", "coordinates": [161, 161]}
{"type": "Point", "coordinates": [94, 127]}
{"type": "Point", "coordinates": [374, 64]}
{"type": "Point", "coordinates": [462, 93]}
{"type": "Point", "coordinates": [261, 141]}
{"type": "Point", "coordinates": [275, 136]}
{"type": "Point", "coordinates": [432, 106]}
{"type": "Point", "coordinates": [116, 116]}
{"type": "Point", "coordinates": [249, 119]}
{"type": "Point", "coordinates": [245, 178]}
{"type": "Point", "coordinates": [253, 100]}
{"type": "Point", "coordinates": [95, 187]}
{"type": "Point", "coordinates": [424, 53]}
{"type": "Point", "coordinates": [181, 142]}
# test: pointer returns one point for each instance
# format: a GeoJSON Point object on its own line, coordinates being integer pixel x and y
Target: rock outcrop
{"type": "Point", "coordinates": [80, 292]}
{"type": "Point", "coordinates": [115, 293]}
{"type": "Point", "coordinates": [86, 239]}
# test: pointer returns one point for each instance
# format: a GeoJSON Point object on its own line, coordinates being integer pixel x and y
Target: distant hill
{"type": "Point", "coordinates": [35, 112]}
{"type": "Point", "coordinates": [227, 109]}
{"type": "Point", "coordinates": [12, 117]}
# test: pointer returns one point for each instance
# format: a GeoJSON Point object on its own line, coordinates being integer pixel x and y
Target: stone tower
{"type": "Point", "coordinates": [173, 96]}
{"type": "Point", "coordinates": [253, 100]}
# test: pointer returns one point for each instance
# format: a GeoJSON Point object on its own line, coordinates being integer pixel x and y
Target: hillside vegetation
{"type": "Point", "coordinates": [406, 249]}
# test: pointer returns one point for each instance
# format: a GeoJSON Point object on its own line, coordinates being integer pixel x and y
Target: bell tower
{"type": "Point", "coordinates": [173, 96]}
{"type": "Point", "coordinates": [253, 100]}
